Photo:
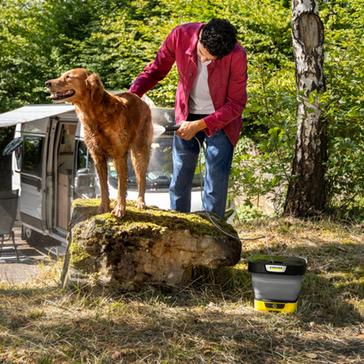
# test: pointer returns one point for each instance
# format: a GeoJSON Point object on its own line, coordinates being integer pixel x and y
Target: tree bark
{"type": "Point", "coordinates": [306, 195]}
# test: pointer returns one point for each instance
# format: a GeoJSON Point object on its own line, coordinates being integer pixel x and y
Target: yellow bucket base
{"type": "Point", "coordinates": [284, 307]}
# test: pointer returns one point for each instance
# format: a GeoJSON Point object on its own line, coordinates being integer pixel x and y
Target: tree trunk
{"type": "Point", "coordinates": [306, 194]}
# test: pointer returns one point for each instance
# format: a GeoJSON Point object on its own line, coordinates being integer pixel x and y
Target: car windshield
{"type": "Point", "coordinates": [159, 171]}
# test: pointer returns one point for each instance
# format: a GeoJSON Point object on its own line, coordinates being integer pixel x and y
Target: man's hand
{"type": "Point", "coordinates": [188, 129]}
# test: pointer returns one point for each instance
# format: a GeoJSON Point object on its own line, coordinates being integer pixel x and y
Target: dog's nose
{"type": "Point", "coordinates": [48, 84]}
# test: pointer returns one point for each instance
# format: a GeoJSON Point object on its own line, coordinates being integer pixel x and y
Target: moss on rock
{"type": "Point", "coordinates": [197, 224]}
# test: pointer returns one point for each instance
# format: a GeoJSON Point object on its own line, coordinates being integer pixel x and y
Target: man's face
{"type": "Point", "coordinates": [203, 54]}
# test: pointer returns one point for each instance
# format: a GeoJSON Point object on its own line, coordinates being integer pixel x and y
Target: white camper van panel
{"type": "Point", "coordinates": [16, 162]}
{"type": "Point", "coordinates": [32, 181]}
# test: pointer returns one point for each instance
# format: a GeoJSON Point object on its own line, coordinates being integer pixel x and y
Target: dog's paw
{"type": "Point", "coordinates": [118, 211]}
{"type": "Point", "coordinates": [140, 204]}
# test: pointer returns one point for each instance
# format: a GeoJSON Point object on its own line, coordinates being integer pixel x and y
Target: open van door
{"type": "Point", "coordinates": [32, 175]}
{"type": "Point", "coordinates": [64, 155]}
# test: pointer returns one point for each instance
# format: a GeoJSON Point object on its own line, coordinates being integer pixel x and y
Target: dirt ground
{"type": "Point", "coordinates": [27, 266]}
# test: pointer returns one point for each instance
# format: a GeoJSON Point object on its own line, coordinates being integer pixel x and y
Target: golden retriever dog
{"type": "Point", "coordinates": [113, 125]}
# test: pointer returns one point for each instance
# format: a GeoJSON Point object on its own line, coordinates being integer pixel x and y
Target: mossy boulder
{"type": "Point", "coordinates": [149, 246]}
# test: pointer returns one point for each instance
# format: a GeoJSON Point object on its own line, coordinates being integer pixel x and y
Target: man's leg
{"type": "Point", "coordinates": [219, 154]}
{"type": "Point", "coordinates": [185, 155]}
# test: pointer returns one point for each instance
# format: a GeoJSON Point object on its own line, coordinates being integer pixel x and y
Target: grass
{"type": "Point", "coordinates": [211, 321]}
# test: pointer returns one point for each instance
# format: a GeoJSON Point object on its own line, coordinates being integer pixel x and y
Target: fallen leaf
{"type": "Point", "coordinates": [116, 355]}
{"type": "Point", "coordinates": [311, 355]}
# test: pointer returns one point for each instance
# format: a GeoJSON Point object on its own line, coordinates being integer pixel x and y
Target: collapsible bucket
{"type": "Point", "coordinates": [276, 282]}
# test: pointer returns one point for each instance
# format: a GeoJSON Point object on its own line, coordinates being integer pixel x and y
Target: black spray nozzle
{"type": "Point", "coordinates": [171, 128]}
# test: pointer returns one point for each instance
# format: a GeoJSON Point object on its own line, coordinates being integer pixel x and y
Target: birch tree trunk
{"type": "Point", "coordinates": [306, 194]}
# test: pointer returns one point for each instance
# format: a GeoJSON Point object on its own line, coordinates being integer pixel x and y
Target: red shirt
{"type": "Point", "coordinates": [227, 78]}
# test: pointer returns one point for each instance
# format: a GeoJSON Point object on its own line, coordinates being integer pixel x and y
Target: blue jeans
{"type": "Point", "coordinates": [218, 157]}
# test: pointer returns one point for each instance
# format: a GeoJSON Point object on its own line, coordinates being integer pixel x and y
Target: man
{"type": "Point", "coordinates": [210, 99]}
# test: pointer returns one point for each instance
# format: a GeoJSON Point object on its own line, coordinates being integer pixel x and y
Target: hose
{"type": "Point", "coordinates": [209, 216]}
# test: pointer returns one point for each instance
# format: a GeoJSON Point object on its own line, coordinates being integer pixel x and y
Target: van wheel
{"type": "Point", "coordinates": [29, 235]}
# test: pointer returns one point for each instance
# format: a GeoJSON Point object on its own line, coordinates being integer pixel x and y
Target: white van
{"type": "Point", "coordinates": [51, 167]}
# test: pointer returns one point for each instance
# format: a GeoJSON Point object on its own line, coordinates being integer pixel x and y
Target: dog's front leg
{"type": "Point", "coordinates": [140, 159]}
{"type": "Point", "coordinates": [101, 168]}
{"type": "Point", "coordinates": [120, 163]}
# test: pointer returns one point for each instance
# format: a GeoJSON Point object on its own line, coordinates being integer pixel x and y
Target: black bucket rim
{"type": "Point", "coordinates": [293, 265]}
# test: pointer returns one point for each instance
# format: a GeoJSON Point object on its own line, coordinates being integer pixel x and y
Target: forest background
{"type": "Point", "coordinates": [39, 39]}
{"type": "Point", "coordinates": [213, 320]}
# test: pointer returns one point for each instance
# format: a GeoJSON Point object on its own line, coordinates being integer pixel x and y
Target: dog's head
{"type": "Point", "coordinates": [75, 85]}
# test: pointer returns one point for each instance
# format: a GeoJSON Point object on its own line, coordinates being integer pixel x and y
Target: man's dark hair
{"type": "Point", "coordinates": [218, 36]}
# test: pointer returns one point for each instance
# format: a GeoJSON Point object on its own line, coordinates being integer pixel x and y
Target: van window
{"type": "Point", "coordinates": [32, 155]}
{"type": "Point", "coordinates": [159, 172]}
{"type": "Point", "coordinates": [83, 157]}
{"type": "Point", "coordinates": [85, 177]}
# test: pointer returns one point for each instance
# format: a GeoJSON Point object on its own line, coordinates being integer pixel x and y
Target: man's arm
{"type": "Point", "coordinates": [158, 69]}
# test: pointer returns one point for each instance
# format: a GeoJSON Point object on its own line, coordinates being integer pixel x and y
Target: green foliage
{"type": "Point", "coordinates": [39, 39]}
{"type": "Point", "coordinates": [22, 59]}
{"type": "Point", "coordinates": [248, 213]}
{"type": "Point", "coordinates": [343, 102]}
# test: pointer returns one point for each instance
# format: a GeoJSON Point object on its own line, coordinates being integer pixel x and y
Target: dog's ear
{"type": "Point", "coordinates": [94, 84]}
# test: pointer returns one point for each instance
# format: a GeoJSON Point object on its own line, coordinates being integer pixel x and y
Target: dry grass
{"type": "Point", "coordinates": [210, 322]}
